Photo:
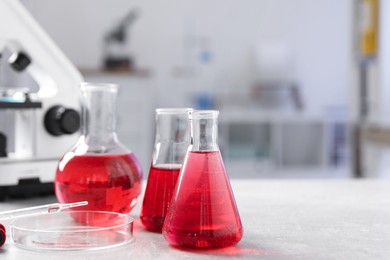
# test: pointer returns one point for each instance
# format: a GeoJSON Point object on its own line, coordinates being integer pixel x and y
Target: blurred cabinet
{"type": "Point", "coordinates": [283, 145]}
{"type": "Point", "coordinates": [135, 111]}
{"type": "Point", "coordinates": [376, 152]}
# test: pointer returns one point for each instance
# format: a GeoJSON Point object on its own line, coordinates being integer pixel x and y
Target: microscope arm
{"type": "Point", "coordinates": [50, 68]}
{"type": "Point", "coordinates": [57, 78]}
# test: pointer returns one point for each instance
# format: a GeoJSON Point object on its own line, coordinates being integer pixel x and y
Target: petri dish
{"type": "Point", "coordinates": [72, 230]}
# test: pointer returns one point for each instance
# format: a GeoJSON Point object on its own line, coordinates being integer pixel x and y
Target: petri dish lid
{"type": "Point", "coordinates": [72, 230]}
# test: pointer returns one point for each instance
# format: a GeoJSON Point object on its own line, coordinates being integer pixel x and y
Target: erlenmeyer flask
{"type": "Point", "coordinates": [171, 143]}
{"type": "Point", "coordinates": [203, 212]}
{"type": "Point", "coordinates": [98, 168]}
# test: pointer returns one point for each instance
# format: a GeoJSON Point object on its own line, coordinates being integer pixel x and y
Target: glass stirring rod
{"type": "Point", "coordinates": [48, 208]}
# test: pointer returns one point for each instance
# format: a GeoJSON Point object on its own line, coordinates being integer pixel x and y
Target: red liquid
{"type": "Point", "coordinates": [203, 213]}
{"type": "Point", "coordinates": [107, 182]}
{"type": "Point", "coordinates": [158, 193]}
{"type": "Point", "coordinates": [3, 235]}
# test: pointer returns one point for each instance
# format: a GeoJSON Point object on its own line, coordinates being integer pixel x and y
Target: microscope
{"type": "Point", "coordinates": [36, 128]}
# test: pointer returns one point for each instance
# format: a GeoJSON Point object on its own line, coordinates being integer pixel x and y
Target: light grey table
{"type": "Point", "coordinates": [283, 219]}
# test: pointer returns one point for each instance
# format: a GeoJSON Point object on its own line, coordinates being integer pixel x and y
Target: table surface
{"type": "Point", "coordinates": [282, 219]}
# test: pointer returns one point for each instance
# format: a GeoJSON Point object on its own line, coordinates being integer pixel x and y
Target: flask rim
{"type": "Point", "coordinates": [203, 114]}
{"type": "Point", "coordinates": [171, 111]}
{"type": "Point", "coordinates": [98, 86]}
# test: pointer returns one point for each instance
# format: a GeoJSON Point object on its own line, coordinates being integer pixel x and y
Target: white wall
{"type": "Point", "coordinates": [173, 33]}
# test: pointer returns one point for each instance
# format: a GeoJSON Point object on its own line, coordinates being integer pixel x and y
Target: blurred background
{"type": "Point", "coordinates": [303, 86]}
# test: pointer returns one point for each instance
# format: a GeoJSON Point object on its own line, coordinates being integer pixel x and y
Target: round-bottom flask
{"type": "Point", "coordinates": [99, 169]}
{"type": "Point", "coordinates": [203, 211]}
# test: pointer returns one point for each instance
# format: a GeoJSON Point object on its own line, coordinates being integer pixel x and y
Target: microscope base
{"type": "Point", "coordinates": [27, 178]}
{"type": "Point", "coordinates": [27, 190]}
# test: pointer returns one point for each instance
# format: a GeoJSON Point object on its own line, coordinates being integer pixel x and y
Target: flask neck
{"type": "Point", "coordinates": [172, 136]}
{"type": "Point", "coordinates": [99, 115]}
{"type": "Point", "coordinates": [204, 133]}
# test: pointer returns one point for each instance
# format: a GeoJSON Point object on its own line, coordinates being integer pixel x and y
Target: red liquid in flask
{"type": "Point", "coordinates": [107, 182]}
{"type": "Point", "coordinates": [203, 213]}
{"type": "Point", "coordinates": [158, 194]}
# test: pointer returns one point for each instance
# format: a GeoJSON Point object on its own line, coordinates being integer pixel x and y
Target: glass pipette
{"type": "Point", "coordinates": [48, 208]}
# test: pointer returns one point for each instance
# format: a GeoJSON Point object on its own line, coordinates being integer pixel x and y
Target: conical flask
{"type": "Point", "coordinates": [203, 211]}
{"type": "Point", "coordinates": [98, 168]}
{"type": "Point", "coordinates": [170, 147]}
